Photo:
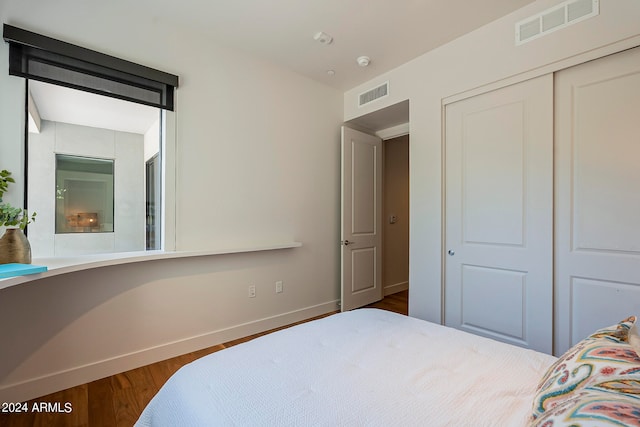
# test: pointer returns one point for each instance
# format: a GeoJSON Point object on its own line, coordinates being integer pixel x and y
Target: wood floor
{"type": "Point", "coordinates": [119, 400]}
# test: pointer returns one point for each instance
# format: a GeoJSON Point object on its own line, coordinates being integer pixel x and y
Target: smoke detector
{"type": "Point", "coordinates": [363, 61]}
{"type": "Point", "coordinates": [323, 37]}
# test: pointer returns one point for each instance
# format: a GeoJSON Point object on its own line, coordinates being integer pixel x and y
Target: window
{"type": "Point", "coordinates": [87, 172]}
{"type": "Point", "coordinates": [97, 147]}
{"type": "Point", "coordinates": [84, 195]}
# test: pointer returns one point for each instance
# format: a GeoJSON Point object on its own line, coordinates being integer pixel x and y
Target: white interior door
{"type": "Point", "coordinates": [597, 246]}
{"type": "Point", "coordinates": [361, 219]}
{"type": "Point", "coordinates": [499, 195]}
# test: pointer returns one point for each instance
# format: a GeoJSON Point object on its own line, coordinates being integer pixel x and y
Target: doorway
{"type": "Point", "coordinates": [395, 215]}
{"type": "Point", "coordinates": [391, 125]}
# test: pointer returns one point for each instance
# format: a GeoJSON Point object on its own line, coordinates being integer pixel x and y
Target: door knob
{"type": "Point", "coordinates": [346, 242]}
{"type": "Point", "coordinates": [451, 253]}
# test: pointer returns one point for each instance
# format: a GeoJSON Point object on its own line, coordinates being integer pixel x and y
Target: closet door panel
{"type": "Point", "coordinates": [493, 184]}
{"type": "Point", "coordinates": [499, 195]}
{"type": "Point", "coordinates": [606, 152]}
{"type": "Point", "coordinates": [597, 250]}
{"type": "Point", "coordinates": [596, 300]}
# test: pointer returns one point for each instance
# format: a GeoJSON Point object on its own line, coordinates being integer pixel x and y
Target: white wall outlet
{"type": "Point", "coordinates": [252, 291]}
{"type": "Point", "coordinates": [279, 287]}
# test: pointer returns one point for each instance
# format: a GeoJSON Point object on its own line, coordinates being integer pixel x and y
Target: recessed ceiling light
{"type": "Point", "coordinates": [323, 37]}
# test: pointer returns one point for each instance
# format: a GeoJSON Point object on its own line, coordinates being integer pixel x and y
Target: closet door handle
{"type": "Point", "coordinates": [451, 252]}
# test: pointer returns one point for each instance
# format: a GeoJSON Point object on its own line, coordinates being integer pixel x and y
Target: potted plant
{"type": "Point", "coordinates": [14, 246]}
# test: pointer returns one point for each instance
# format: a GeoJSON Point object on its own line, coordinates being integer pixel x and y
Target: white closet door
{"type": "Point", "coordinates": [597, 250]}
{"type": "Point", "coordinates": [499, 196]}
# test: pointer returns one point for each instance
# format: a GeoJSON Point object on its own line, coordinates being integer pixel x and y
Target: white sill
{"type": "Point", "coordinates": [63, 265]}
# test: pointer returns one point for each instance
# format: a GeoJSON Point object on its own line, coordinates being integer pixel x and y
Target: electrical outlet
{"type": "Point", "coordinates": [252, 291]}
{"type": "Point", "coordinates": [279, 287]}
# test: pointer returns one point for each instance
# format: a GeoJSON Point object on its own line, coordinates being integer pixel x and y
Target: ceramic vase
{"type": "Point", "coordinates": [14, 247]}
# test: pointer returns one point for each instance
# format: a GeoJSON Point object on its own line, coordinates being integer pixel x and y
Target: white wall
{"type": "Point", "coordinates": [126, 149]}
{"type": "Point", "coordinates": [257, 161]}
{"type": "Point", "coordinates": [477, 61]}
{"type": "Point", "coordinates": [152, 141]}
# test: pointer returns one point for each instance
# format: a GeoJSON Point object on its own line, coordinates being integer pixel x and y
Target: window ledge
{"type": "Point", "coordinates": [64, 265]}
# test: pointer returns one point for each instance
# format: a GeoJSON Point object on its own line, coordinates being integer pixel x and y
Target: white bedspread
{"type": "Point", "coordinates": [361, 368]}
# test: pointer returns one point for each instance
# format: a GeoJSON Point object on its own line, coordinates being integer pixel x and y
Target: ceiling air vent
{"type": "Point", "coordinates": [560, 16]}
{"type": "Point", "coordinates": [373, 94]}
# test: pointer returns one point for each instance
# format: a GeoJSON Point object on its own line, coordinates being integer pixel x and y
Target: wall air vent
{"type": "Point", "coordinates": [373, 94]}
{"type": "Point", "coordinates": [560, 16]}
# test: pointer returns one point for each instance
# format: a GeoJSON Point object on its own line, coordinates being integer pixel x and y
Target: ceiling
{"type": "Point", "coordinates": [391, 33]}
{"type": "Point", "coordinates": [61, 104]}
{"type": "Point", "coordinates": [384, 118]}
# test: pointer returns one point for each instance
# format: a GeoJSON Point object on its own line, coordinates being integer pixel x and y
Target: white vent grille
{"type": "Point", "coordinates": [373, 94]}
{"type": "Point", "coordinates": [553, 19]}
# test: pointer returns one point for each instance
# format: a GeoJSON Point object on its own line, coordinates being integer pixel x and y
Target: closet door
{"type": "Point", "coordinates": [597, 250]}
{"type": "Point", "coordinates": [499, 196]}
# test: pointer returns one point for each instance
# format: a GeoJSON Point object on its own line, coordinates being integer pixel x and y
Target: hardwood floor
{"type": "Point", "coordinates": [398, 302]}
{"type": "Point", "coordinates": [119, 400]}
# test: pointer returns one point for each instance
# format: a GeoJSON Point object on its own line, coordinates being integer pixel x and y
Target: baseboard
{"type": "Point", "coordinates": [41, 386]}
{"type": "Point", "coordinates": [396, 287]}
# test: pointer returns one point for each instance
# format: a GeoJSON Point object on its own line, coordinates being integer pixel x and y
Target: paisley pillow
{"type": "Point", "coordinates": [596, 382]}
{"type": "Point", "coordinates": [634, 338]}
{"type": "Point", "coordinates": [592, 409]}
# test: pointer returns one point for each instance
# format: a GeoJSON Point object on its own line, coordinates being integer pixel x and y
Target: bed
{"type": "Point", "coordinates": [370, 367]}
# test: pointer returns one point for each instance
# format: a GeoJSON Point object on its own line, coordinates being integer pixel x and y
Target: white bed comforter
{"type": "Point", "coordinates": [361, 368]}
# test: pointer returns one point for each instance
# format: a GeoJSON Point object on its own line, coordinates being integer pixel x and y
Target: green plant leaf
{"type": "Point", "coordinates": [11, 216]}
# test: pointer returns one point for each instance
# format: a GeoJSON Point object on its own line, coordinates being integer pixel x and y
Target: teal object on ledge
{"type": "Point", "coordinates": [15, 269]}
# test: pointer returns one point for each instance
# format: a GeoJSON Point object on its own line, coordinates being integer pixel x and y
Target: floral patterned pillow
{"type": "Point", "coordinates": [596, 382]}
{"type": "Point", "coordinates": [634, 338]}
{"type": "Point", "coordinates": [592, 409]}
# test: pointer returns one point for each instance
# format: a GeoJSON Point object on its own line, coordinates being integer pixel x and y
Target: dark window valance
{"type": "Point", "coordinates": [38, 57]}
